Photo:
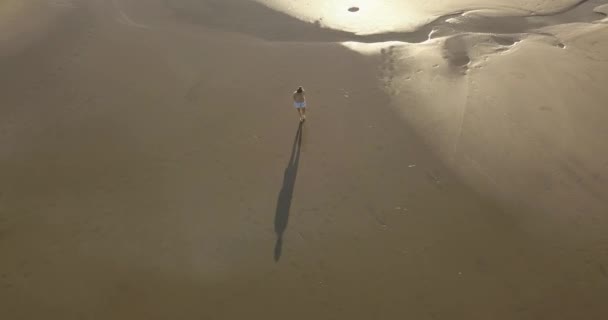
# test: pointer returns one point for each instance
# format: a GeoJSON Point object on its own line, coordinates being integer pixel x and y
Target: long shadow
{"type": "Point", "coordinates": [281, 216]}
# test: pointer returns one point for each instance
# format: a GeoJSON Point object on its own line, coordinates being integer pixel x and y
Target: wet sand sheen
{"type": "Point", "coordinates": [406, 16]}
{"type": "Point", "coordinates": [149, 171]}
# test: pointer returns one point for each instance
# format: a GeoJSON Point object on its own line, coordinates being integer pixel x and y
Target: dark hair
{"type": "Point", "coordinates": [300, 89]}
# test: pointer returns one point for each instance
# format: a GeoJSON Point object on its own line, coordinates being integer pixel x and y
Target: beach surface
{"type": "Point", "coordinates": [453, 164]}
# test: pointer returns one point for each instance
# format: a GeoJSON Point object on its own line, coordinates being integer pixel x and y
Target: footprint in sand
{"type": "Point", "coordinates": [387, 68]}
{"type": "Point", "coordinates": [434, 179]}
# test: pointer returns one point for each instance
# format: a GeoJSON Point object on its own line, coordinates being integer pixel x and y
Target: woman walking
{"type": "Point", "coordinates": [299, 101]}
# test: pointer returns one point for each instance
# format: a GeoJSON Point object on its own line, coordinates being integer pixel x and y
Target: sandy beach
{"type": "Point", "coordinates": [454, 163]}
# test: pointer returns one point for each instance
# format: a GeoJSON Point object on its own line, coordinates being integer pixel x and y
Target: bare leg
{"type": "Point", "coordinates": [299, 113]}
{"type": "Point", "coordinates": [304, 113]}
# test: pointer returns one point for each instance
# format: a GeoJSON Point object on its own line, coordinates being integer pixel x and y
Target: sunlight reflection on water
{"type": "Point", "coordinates": [380, 16]}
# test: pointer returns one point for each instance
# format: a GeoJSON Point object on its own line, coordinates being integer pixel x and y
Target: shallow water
{"type": "Point", "coordinates": [403, 15]}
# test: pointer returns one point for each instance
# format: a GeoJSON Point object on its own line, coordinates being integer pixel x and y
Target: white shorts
{"type": "Point", "coordinates": [299, 105]}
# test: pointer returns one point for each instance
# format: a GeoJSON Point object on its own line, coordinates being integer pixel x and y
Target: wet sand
{"type": "Point", "coordinates": [151, 160]}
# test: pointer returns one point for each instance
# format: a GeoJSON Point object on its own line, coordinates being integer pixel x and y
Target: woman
{"type": "Point", "coordinates": [299, 101]}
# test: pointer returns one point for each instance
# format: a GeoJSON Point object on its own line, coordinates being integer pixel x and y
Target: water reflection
{"type": "Point", "coordinates": [372, 16]}
{"type": "Point", "coordinates": [378, 16]}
